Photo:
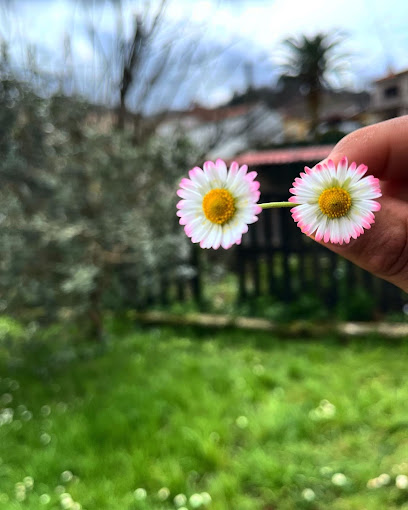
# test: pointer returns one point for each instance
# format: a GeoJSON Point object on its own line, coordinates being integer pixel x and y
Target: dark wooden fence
{"type": "Point", "coordinates": [277, 260]}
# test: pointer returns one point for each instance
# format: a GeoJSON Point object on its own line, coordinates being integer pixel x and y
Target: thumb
{"type": "Point", "coordinates": [382, 250]}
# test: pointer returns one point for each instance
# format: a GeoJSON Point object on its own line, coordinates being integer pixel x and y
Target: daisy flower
{"type": "Point", "coordinates": [335, 203]}
{"type": "Point", "coordinates": [217, 204]}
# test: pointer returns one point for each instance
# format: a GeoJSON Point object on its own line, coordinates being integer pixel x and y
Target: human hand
{"type": "Point", "coordinates": [382, 250]}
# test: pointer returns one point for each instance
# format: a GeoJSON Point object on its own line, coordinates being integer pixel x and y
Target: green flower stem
{"type": "Point", "coordinates": [276, 205]}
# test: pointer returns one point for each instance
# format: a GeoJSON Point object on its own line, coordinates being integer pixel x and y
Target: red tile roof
{"type": "Point", "coordinates": [281, 156]}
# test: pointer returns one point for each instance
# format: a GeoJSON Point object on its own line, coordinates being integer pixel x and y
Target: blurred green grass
{"type": "Point", "coordinates": [252, 420]}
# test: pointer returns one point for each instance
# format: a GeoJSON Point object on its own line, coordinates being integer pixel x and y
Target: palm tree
{"type": "Point", "coordinates": [308, 61]}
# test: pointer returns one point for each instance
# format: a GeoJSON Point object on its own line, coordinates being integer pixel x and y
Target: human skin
{"type": "Point", "coordinates": [383, 249]}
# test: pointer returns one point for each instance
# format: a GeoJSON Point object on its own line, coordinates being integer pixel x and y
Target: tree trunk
{"type": "Point", "coordinates": [313, 100]}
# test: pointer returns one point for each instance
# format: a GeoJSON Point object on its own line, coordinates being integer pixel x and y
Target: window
{"type": "Point", "coordinates": [391, 92]}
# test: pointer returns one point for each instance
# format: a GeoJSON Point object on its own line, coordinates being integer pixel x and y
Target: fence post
{"type": "Point", "coordinates": [196, 280]}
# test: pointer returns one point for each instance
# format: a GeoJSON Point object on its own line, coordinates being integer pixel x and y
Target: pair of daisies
{"type": "Point", "coordinates": [335, 203]}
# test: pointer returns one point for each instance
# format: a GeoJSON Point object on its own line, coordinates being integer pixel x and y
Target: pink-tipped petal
{"type": "Point", "coordinates": [198, 221]}
{"type": "Point", "coordinates": [344, 161]}
{"type": "Point", "coordinates": [330, 165]}
{"type": "Point", "coordinates": [251, 176]}
{"type": "Point", "coordinates": [307, 189]}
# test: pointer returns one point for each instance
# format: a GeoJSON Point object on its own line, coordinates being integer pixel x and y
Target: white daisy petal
{"type": "Point", "coordinates": [218, 238]}
{"type": "Point", "coordinates": [335, 203]}
{"type": "Point", "coordinates": [198, 176]}
{"type": "Point", "coordinates": [222, 170]}
{"type": "Point", "coordinates": [342, 170]}
{"type": "Point", "coordinates": [226, 238]}
{"type": "Point", "coordinates": [209, 239]}
{"type": "Point", "coordinates": [321, 229]}
{"type": "Point", "coordinates": [232, 173]}
{"type": "Point", "coordinates": [217, 204]}
{"type": "Point", "coordinates": [213, 175]}
{"type": "Point", "coordinates": [239, 177]}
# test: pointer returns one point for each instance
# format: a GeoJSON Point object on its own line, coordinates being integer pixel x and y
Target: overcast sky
{"type": "Point", "coordinates": [377, 36]}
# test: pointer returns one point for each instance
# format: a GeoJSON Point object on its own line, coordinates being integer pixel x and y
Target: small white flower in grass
{"type": "Point", "coordinates": [374, 483]}
{"type": "Point", "coordinates": [206, 498]}
{"type": "Point", "coordinates": [217, 204]}
{"type": "Point", "coordinates": [140, 494]}
{"type": "Point", "coordinates": [384, 478]}
{"type": "Point", "coordinates": [45, 499]}
{"type": "Point", "coordinates": [59, 489]}
{"type": "Point", "coordinates": [308, 494]}
{"type": "Point", "coordinates": [45, 438]}
{"type": "Point", "coordinates": [20, 496]}
{"type": "Point", "coordinates": [196, 500]}
{"type": "Point", "coordinates": [335, 203]}
{"type": "Point", "coordinates": [325, 410]}
{"type": "Point", "coordinates": [66, 501]}
{"type": "Point", "coordinates": [66, 476]}
{"type": "Point", "coordinates": [28, 482]}
{"type": "Point", "coordinates": [180, 500]}
{"type": "Point", "coordinates": [26, 415]}
{"type": "Point", "coordinates": [20, 491]}
{"type": "Point", "coordinates": [6, 398]}
{"type": "Point", "coordinates": [401, 482]}
{"type": "Point", "coordinates": [242, 422]}
{"type": "Point", "coordinates": [339, 479]}
{"type": "Point", "coordinates": [6, 416]}
{"type": "Point", "coordinates": [163, 493]}
{"type": "Point", "coordinates": [45, 410]}
{"type": "Point", "coordinates": [379, 481]}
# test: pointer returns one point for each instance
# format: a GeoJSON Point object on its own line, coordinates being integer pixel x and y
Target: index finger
{"type": "Point", "coordinates": [383, 147]}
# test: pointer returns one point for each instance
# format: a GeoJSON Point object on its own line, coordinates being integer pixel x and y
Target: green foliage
{"type": "Point", "coordinates": [87, 217]}
{"type": "Point", "coordinates": [12, 333]}
{"type": "Point", "coordinates": [248, 418]}
{"type": "Point", "coordinates": [10, 329]}
{"type": "Point", "coordinates": [358, 305]}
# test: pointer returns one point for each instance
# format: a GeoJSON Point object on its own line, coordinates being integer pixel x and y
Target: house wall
{"type": "Point", "coordinates": [390, 96]}
{"type": "Point", "coordinates": [227, 136]}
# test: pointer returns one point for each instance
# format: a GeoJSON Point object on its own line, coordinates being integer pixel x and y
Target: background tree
{"type": "Point", "coordinates": [309, 61]}
{"type": "Point", "coordinates": [83, 212]}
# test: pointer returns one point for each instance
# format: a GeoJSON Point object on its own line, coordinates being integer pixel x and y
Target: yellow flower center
{"type": "Point", "coordinates": [219, 206]}
{"type": "Point", "coordinates": [335, 202]}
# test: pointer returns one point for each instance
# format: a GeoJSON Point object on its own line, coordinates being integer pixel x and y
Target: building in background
{"type": "Point", "coordinates": [390, 96]}
{"type": "Point", "coordinates": [227, 130]}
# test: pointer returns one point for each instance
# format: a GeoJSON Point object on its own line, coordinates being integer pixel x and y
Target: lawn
{"type": "Point", "coordinates": [160, 419]}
